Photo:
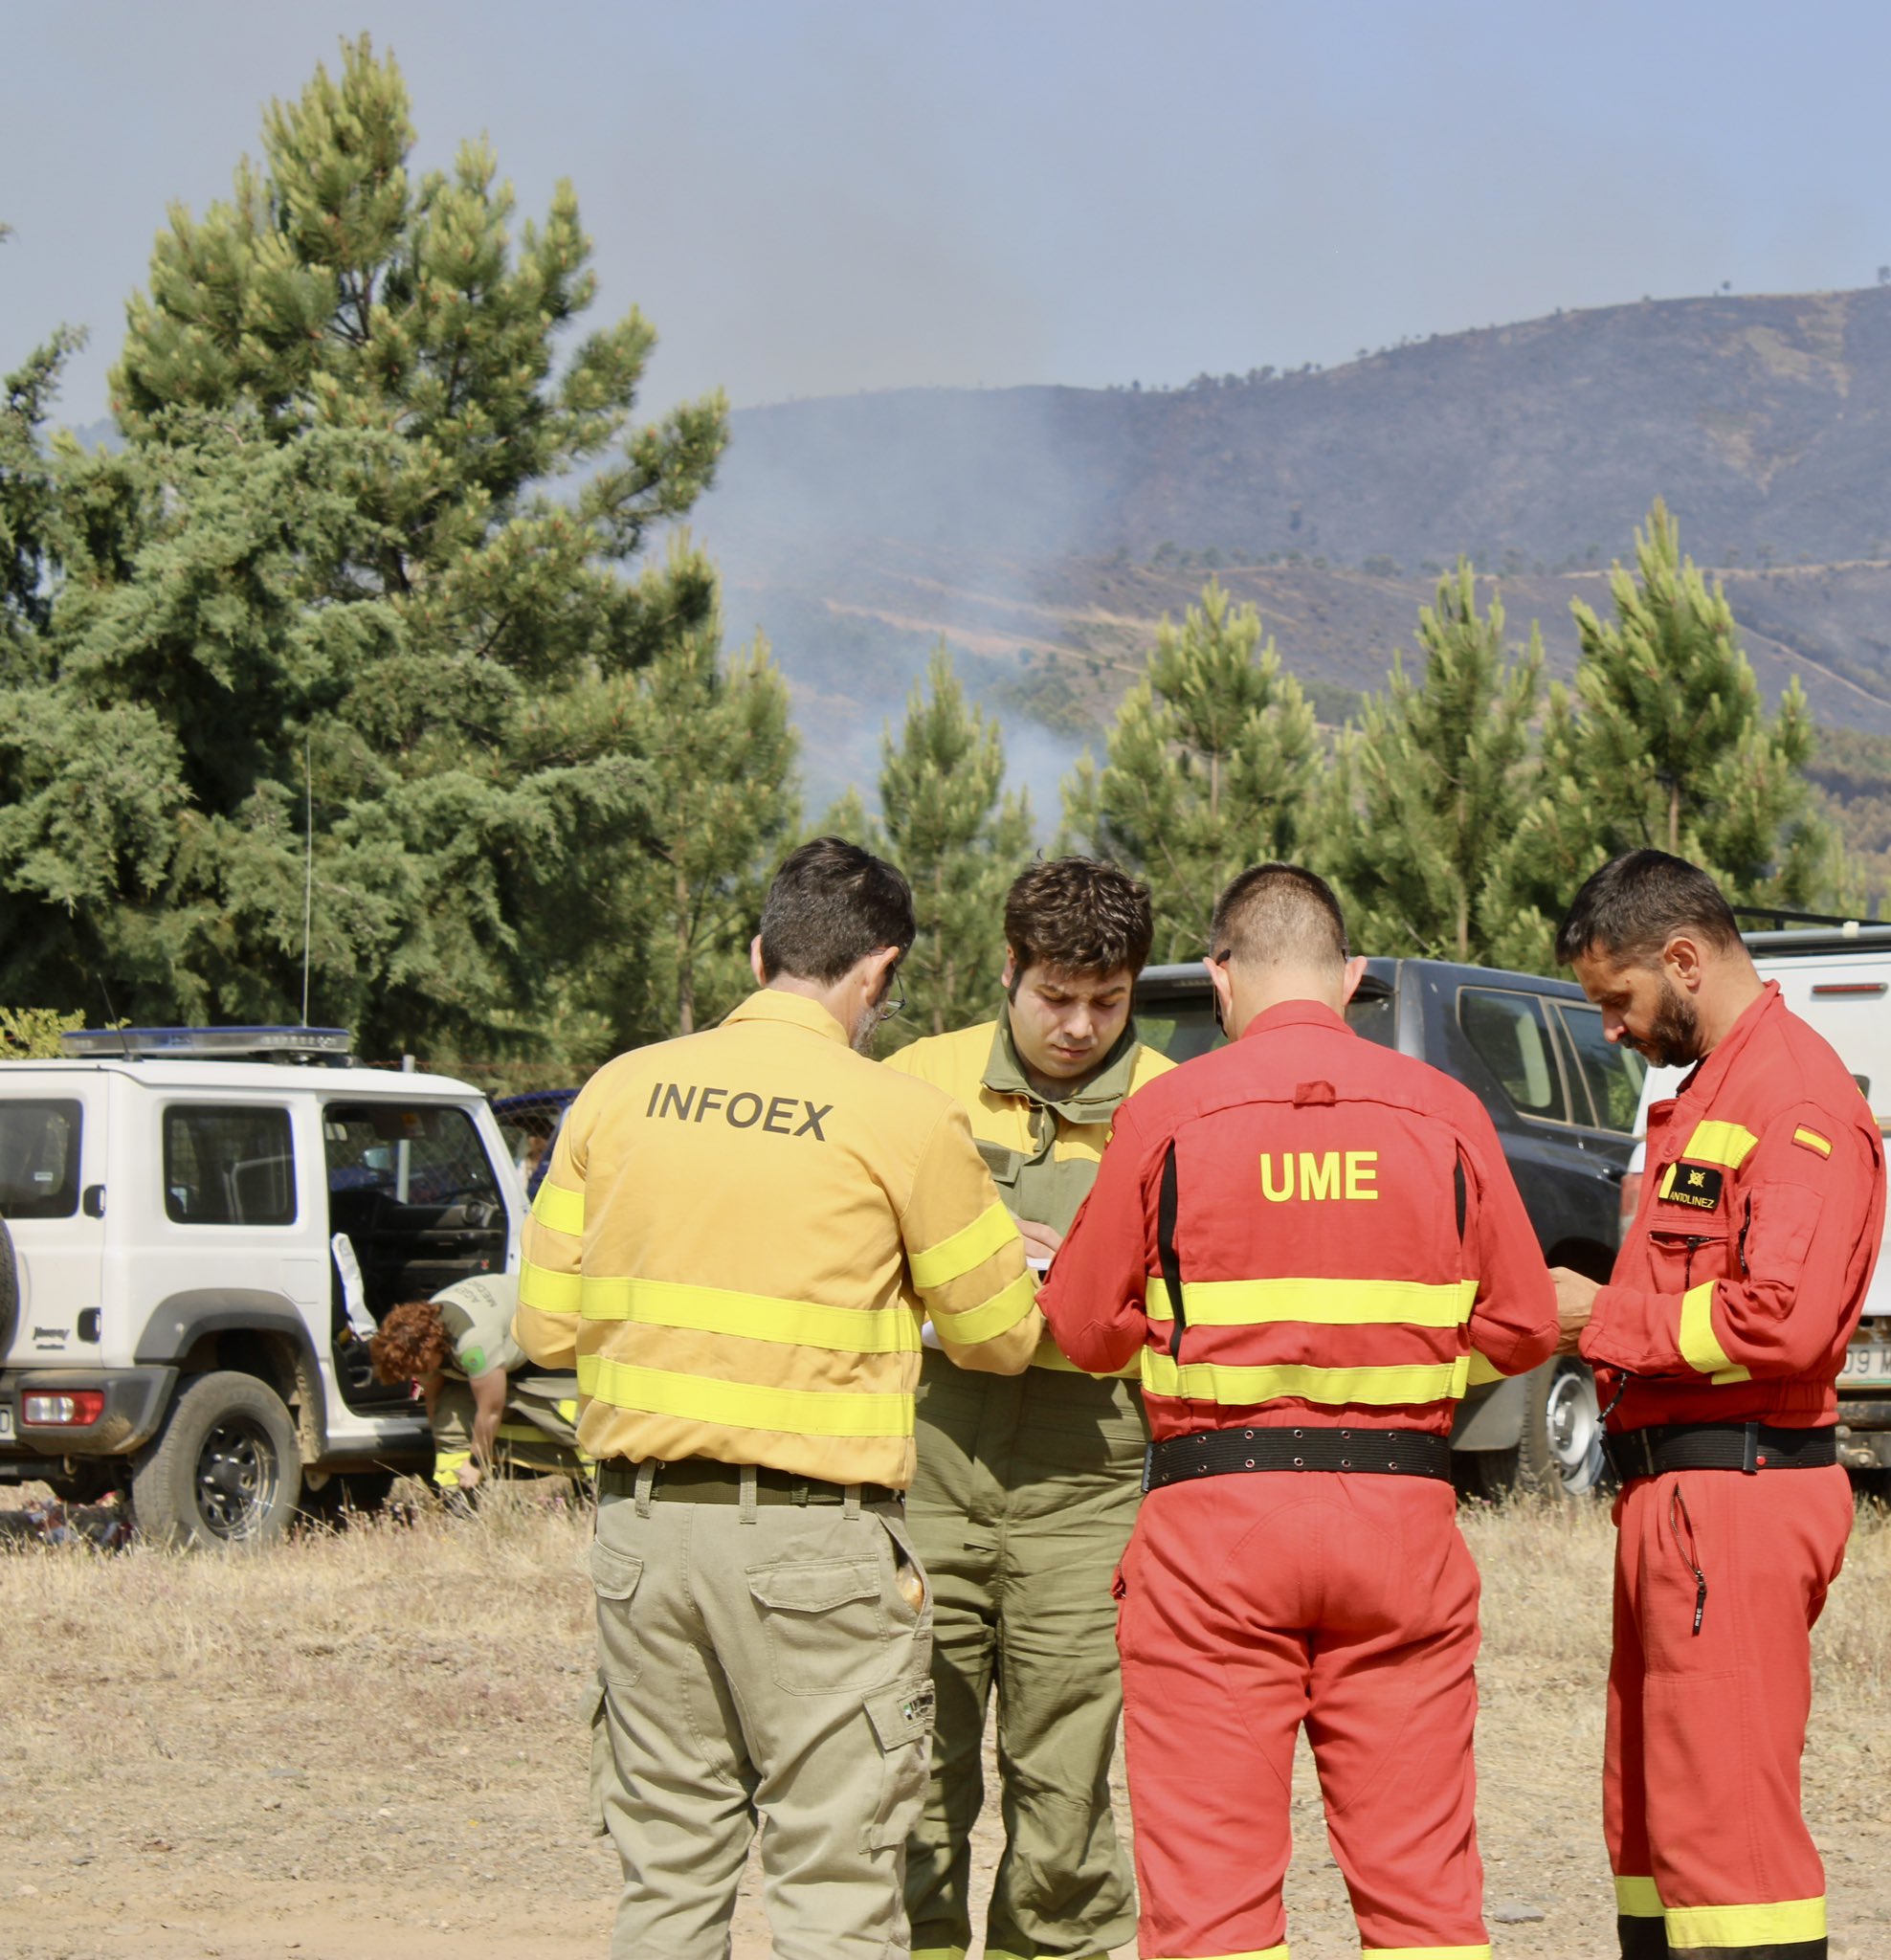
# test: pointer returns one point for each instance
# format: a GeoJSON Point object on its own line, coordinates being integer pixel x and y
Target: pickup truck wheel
{"type": "Point", "coordinates": [10, 1288]}
{"type": "Point", "coordinates": [224, 1470]}
{"type": "Point", "coordinates": [1561, 1454]}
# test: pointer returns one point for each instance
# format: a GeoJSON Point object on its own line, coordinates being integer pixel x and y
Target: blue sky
{"type": "Point", "coordinates": [812, 198]}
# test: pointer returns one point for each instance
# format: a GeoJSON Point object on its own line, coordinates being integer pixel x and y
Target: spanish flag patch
{"type": "Point", "coordinates": [1811, 1140]}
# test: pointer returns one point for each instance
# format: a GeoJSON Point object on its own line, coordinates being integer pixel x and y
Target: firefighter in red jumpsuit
{"type": "Point", "coordinates": [1309, 1241]}
{"type": "Point", "coordinates": [1716, 1346]}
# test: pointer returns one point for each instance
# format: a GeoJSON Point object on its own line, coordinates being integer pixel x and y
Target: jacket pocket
{"type": "Point", "coordinates": [826, 1625]}
{"type": "Point", "coordinates": [1681, 1259]}
{"type": "Point", "coordinates": [615, 1576]}
{"type": "Point", "coordinates": [901, 1719]}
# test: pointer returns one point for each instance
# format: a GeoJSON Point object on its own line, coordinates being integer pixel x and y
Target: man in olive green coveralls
{"type": "Point", "coordinates": [1027, 1486]}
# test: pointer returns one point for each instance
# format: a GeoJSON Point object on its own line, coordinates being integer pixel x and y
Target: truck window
{"type": "Point", "coordinates": [1374, 1015]}
{"type": "Point", "coordinates": [1512, 1039]}
{"type": "Point", "coordinates": [1610, 1071]}
{"type": "Point", "coordinates": [40, 1158]}
{"type": "Point", "coordinates": [228, 1166]}
{"type": "Point", "coordinates": [1180, 1028]}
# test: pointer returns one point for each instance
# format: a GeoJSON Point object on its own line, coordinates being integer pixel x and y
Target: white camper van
{"type": "Point", "coordinates": [1838, 979]}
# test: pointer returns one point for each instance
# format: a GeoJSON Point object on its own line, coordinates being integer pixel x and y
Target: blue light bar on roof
{"type": "Point", "coordinates": [209, 1044]}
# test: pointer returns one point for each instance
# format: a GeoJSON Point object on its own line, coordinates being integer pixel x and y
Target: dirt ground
{"type": "Point", "coordinates": [366, 1743]}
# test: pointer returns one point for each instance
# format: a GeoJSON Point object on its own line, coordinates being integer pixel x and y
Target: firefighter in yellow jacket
{"type": "Point", "coordinates": [735, 1245]}
{"type": "Point", "coordinates": [1027, 1489]}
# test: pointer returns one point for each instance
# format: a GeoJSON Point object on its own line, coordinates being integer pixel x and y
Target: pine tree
{"type": "Point", "coordinates": [960, 838]}
{"type": "Point", "coordinates": [327, 575]}
{"type": "Point", "coordinates": [1209, 768]}
{"type": "Point", "coordinates": [1664, 742]}
{"type": "Point", "coordinates": [1424, 794]}
{"type": "Point", "coordinates": [30, 511]}
{"type": "Point", "coordinates": [724, 801]}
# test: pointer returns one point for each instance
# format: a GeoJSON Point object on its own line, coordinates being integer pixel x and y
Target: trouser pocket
{"type": "Point", "coordinates": [901, 1719]}
{"type": "Point", "coordinates": [614, 1575]}
{"type": "Point", "coordinates": [826, 1625]}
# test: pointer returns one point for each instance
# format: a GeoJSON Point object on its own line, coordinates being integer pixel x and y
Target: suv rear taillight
{"type": "Point", "coordinates": [1630, 1203]}
{"type": "Point", "coordinates": [66, 1409]}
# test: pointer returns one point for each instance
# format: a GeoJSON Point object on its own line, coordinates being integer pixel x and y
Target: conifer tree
{"type": "Point", "coordinates": [960, 838]}
{"type": "Point", "coordinates": [1209, 768]}
{"type": "Point", "coordinates": [327, 576]}
{"type": "Point", "coordinates": [1664, 740]}
{"type": "Point", "coordinates": [1423, 795]}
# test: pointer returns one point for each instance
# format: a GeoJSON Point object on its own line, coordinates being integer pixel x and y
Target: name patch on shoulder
{"type": "Point", "coordinates": [1697, 1185]}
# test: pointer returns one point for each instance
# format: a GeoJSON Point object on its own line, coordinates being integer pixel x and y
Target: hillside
{"type": "Point", "coordinates": [1044, 531]}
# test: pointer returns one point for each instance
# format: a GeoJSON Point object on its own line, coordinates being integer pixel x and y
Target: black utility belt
{"type": "Point", "coordinates": [1748, 1446]}
{"type": "Point", "coordinates": [703, 1481]}
{"type": "Point", "coordinates": [1355, 1452]}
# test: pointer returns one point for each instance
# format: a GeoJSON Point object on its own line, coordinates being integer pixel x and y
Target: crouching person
{"type": "Point", "coordinates": [487, 1410]}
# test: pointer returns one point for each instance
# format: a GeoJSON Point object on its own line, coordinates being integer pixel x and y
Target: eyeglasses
{"type": "Point", "coordinates": [892, 1003]}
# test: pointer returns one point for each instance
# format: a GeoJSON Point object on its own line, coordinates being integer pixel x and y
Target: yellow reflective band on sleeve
{"type": "Point", "coordinates": [753, 1316]}
{"type": "Point", "coordinates": [1214, 1381]}
{"type": "Point", "coordinates": [1720, 1142]}
{"type": "Point", "coordinates": [550, 1292]}
{"type": "Point", "coordinates": [1637, 1899]}
{"type": "Point", "coordinates": [951, 1259]}
{"type": "Point", "coordinates": [1424, 1953]}
{"type": "Point", "coordinates": [1483, 1369]}
{"type": "Point", "coordinates": [1699, 1346]}
{"type": "Point", "coordinates": [559, 1210]}
{"type": "Point", "coordinates": [997, 1316]}
{"type": "Point", "coordinates": [1324, 1302]}
{"type": "Point", "coordinates": [1667, 1183]}
{"type": "Point", "coordinates": [1783, 1925]}
{"type": "Point", "coordinates": [743, 1405]}
{"type": "Point", "coordinates": [1811, 1140]}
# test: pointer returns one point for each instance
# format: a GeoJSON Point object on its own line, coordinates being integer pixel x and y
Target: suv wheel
{"type": "Point", "coordinates": [1561, 1448]}
{"type": "Point", "coordinates": [10, 1288]}
{"type": "Point", "coordinates": [225, 1469]}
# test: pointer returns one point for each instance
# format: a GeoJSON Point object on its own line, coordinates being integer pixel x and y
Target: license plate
{"type": "Point", "coordinates": [1867, 1365]}
{"type": "Point", "coordinates": [6, 1420]}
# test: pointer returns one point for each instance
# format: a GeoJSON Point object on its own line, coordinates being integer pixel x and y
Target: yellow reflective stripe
{"type": "Point", "coordinates": [938, 1953]}
{"type": "Point", "coordinates": [1699, 1346]}
{"type": "Point", "coordinates": [1325, 1303]}
{"type": "Point", "coordinates": [1637, 1899]}
{"type": "Point", "coordinates": [1424, 1953]}
{"type": "Point", "coordinates": [1720, 1142]}
{"type": "Point", "coordinates": [752, 1315]}
{"type": "Point", "coordinates": [1253, 1953]}
{"type": "Point", "coordinates": [997, 1316]}
{"type": "Point", "coordinates": [559, 1210]}
{"type": "Point", "coordinates": [1214, 1381]}
{"type": "Point", "coordinates": [743, 1405]}
{"type": "Point", "coordinates": [951, 1259]}
{"type": "Point", "coordinates": [550, 1292]}
{"type": "Point", "coordinates": [448, 1464]}
{"type": "Point", "coordinates": [1483, 1369]}
{"type": "Point", "coordinates": [1813, 1141]}
{"type": "Point", "coordinates": [1667, 1183]}
{"type": "Point", "coordinates": [567, 1409]}
{"type": "Point", "coordinates": [1745, 1926]}
{"type": "Point", "coordinates": [1052, 1357]}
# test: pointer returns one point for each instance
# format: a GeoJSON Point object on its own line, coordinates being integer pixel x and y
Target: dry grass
{"type": "Point", "coordinates": [365, 1743]}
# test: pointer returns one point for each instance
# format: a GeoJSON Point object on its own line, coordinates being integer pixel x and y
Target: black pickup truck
{"type": "Point", "coordinates": [1564, 1102]}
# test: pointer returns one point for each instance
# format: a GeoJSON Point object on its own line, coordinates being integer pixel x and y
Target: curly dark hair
{"type": "Point", "coordinates": [410, 1343]}
{"type": "Point", "coordinates": [1078, 914]}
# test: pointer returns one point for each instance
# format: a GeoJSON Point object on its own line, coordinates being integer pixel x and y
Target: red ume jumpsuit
{"type": "Point", "coordinates": [1345, 1234]}
{"type": "Point", "coordinates": [1731, 1302]}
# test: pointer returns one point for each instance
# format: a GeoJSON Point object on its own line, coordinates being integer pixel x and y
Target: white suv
{"type": "Point", "coordinates": [201, 1226]}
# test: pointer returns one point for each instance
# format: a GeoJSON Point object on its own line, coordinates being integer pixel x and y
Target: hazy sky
{"type": "Point", "coordinates": [813, 198]}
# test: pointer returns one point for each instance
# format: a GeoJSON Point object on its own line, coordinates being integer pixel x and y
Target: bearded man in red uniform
{"type": "Point", "coordinates": [1308, 1241]}
{"type": "Point", "coordinates": [1716, 1346]}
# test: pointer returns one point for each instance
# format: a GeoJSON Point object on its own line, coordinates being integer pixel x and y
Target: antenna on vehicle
{"type": "Point", "coordinates": [309, 864]}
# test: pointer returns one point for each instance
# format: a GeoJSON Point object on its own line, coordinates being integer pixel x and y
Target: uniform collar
{"type": "Point", "coordinates": [1295, 1013]}
{"type": "Point", "coordinates": [1705, 1083]}
{"type": "Point", "coordinates": [1094, 1099]}
{"type": "Point", "coordinates": [776, 1004]}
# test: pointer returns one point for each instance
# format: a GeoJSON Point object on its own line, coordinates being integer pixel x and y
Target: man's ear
{"type": "Point", "coordinates": [1224, 986]}
{"type": "Point", "coordinates": [1682, 961]}
{"type": "Point", "coordinates": [1355, 973]}
{"type": "Point", "coordinates": [1009, 977]}
{"type": "Point", "coordinates": [755, 966]}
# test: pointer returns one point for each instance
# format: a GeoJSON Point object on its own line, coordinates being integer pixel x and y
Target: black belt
{"type": "Point", "coordinates": [1229, 1452]}
{"type": "Point", "coordinates": [703, 1481]}
{"type": "Point", "coordinates": [1748, 1446]}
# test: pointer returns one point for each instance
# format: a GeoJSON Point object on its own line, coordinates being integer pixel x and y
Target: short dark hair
{"type": "Point", "coordinates": [831, 904]}
{"type": "Point", "coordinates": [1279, 915]}
{"type": "Point", "coordinates": [1631, 907]}
{"type": "Point", "coordinates": [1081, 915]}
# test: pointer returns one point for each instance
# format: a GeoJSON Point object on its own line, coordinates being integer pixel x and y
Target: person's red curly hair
{"type": "Point", "coordinates": [410, 1343]}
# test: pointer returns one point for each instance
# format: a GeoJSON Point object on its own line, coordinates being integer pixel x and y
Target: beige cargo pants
{"type": "Point", "coordinates": [537, 1435]}
{"type": "Point", "coordinates": [1027, 1489]}
{"type": "Point", "coordinates": [761, 1669]}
